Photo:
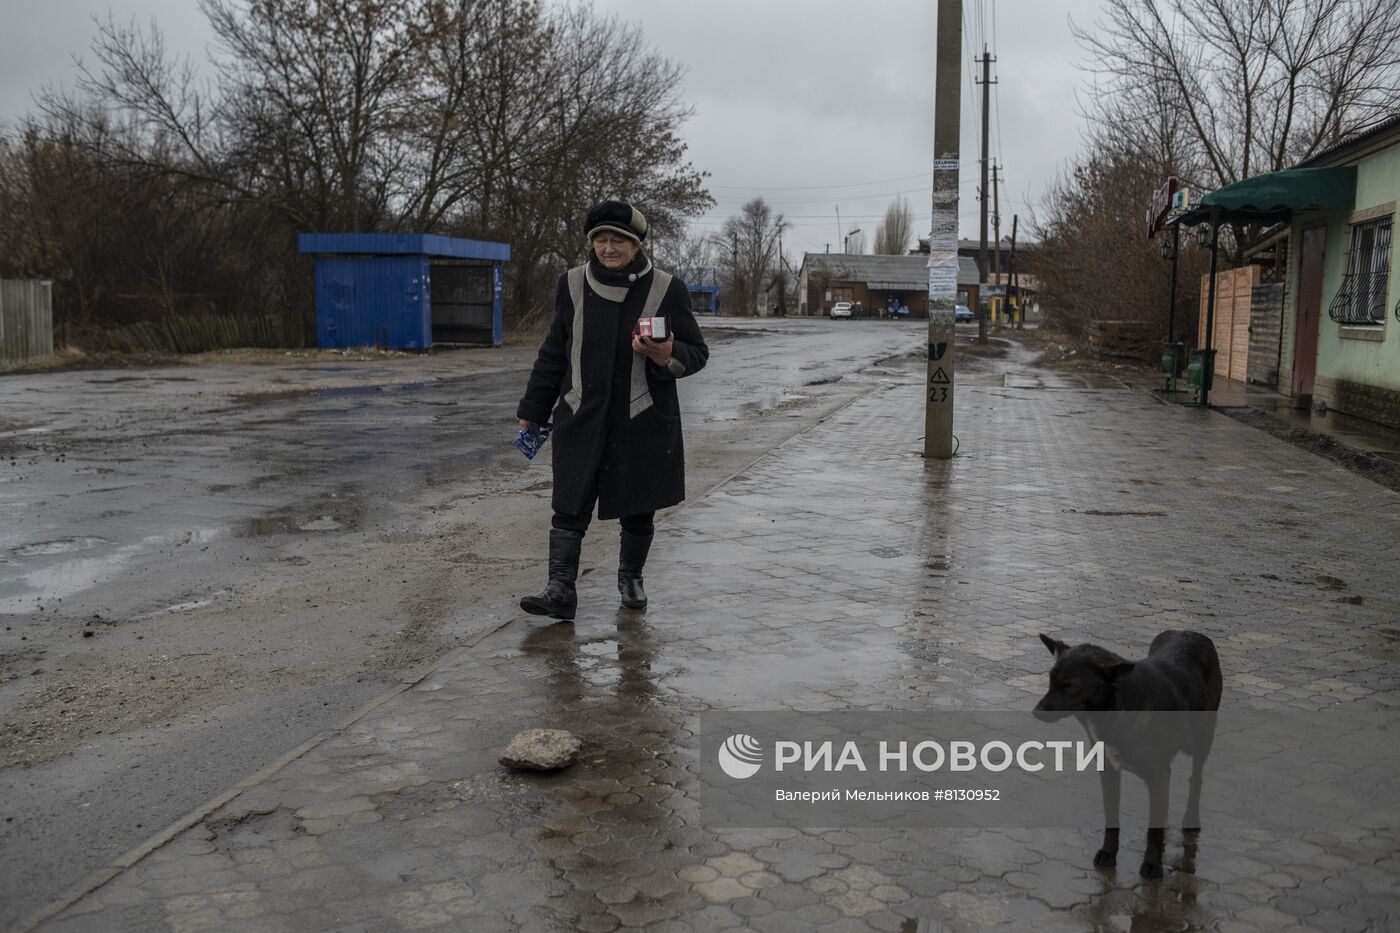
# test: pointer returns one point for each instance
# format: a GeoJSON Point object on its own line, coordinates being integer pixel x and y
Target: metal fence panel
{"type": "Point", "coordinates": [26, 320]}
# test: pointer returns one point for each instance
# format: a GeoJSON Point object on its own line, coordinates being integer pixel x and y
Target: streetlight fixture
{"type": "Point", "coordinates": [846, 246]}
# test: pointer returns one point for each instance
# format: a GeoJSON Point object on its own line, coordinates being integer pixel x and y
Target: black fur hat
{"type": "Point", "coordinates": [619, 217]}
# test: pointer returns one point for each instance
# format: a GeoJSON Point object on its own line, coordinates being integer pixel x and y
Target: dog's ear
{"type": "Point", "coordinates": [1057, 648]}
{"type": "Point", "coordinates": [1118, 671]}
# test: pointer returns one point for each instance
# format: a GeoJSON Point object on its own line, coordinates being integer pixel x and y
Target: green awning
{"type": "Point", "coordinates": [1276, 195]}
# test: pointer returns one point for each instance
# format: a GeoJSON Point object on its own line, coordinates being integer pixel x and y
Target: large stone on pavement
{"type": "Point", "coordinates": [542, 750]}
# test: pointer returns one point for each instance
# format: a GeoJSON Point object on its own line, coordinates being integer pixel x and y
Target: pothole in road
{"type": "Point", "coordinates": [59, 546]}
{"type": "Point", "coordinates": [270, 525]}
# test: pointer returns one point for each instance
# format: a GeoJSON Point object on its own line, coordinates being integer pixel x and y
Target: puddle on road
{"type": "Point", "coordinates": [1387, 648]}
{"type": "Point", "coordinates": [602, 648]}
{"type": "Point", "coordinates": [270, 525]}
{"type": "Point", "coordinates": [761, 405]}
{"type": "Point", "coordinates": [65, 578]}
{"type": "Point", "coordinates": [328, 511]}
{"type": "Point", "coordinates": [189, 606]}
{"type": "Point", "coordinates": [59, 546]}
{"type": "Point", "coordinates": [782, 677]}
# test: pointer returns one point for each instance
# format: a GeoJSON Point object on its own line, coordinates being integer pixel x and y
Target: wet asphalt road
{"type": "Point", "coordinates": [200, 567]}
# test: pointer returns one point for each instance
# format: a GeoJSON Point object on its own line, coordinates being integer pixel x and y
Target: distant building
{"type": "Point", "coordinates": [871, 281]}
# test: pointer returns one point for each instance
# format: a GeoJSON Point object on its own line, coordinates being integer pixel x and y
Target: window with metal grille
{"type": "Point", "coordinates": [1361, 299]}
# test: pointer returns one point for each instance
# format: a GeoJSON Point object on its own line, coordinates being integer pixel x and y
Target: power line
{"type": "Point", "coordinates": [996, 90]}
{"type": "Point", "coordinates": [971, 75]}
{"type": "Point", "coordinates": [726, 203]}
{"type": "Point", "coordinates": [982, 7]}
{"type": "Point", "coordinates": [852, 184]}
{"type": "Point", "coordinates": [844, 197]}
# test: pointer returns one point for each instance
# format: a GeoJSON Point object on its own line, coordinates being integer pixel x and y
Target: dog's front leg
{"type": "Point", "coordinates": [1158, 788]}
{"type": "Point", "coordinates": [1110, 782]}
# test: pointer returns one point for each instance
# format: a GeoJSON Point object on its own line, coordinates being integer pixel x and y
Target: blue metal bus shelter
{"type": "Point", "coordinates": [406, 291]}
{"type": "Point", "coordinates": [704, 299]}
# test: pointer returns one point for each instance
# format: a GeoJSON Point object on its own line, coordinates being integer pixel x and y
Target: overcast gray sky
{"type": "Point", "coordinates": [814, 104]}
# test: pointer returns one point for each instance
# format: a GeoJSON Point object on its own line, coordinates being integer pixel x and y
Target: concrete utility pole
{"type": "Point", "coordinates": [986, 83]}
{"type": "Point", "coordinates": [1012, 290]}
{"type": "Point", "coordinates": [996, 249]}
{"type": "Point", "coordinates": [782, 276]}
{"type": "Point", "coordinates": [943, 233]}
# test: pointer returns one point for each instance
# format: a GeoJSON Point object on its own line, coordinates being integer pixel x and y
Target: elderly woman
{"type": "Point", "coordinates": [611, 395]}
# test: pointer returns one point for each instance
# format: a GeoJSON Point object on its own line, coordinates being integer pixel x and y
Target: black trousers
{"type": "Point", "coordinates": [642, 524]}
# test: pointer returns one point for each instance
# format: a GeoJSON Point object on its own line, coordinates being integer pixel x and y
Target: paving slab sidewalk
{"type": "Point", "coordinates": [839, 572]}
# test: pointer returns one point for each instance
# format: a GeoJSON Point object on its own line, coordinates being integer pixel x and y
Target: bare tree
{"type": "Point", "coordinates": [1092, 262]}
{"type": "Point", "coordinates": [1212, 92]}
{"type": "Point", "coordinates": [491, 119]}
{"type": "Point", "coordinates": [895, 231]}
{"type": "Point", "coordinates": [694, 257]}
{"type": "Point", "coordinates": [749, 245]}
{"type": "Point", "coordinates": [613, 131]}
{"type": "Point", "coordinates": [1224, 90]}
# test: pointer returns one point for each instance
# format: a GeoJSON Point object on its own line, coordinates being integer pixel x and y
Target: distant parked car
{"type": "Point", "coordinates": [842, 309]}
{"type": "Point", "coordinates": [963, 313]}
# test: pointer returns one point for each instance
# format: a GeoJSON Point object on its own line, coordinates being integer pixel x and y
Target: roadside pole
{"type": "Point", "coordinates": [943, 233]}
{"type": "Point", "coordinates": [982, 300]}
{"type": "Point", "coordinates": [1011, 281]}
{"type": "Point", "coordinates": [996, 247]}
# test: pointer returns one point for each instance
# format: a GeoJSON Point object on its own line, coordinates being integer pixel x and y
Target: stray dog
{"type": "Point", "coordinates": [1111, 697]}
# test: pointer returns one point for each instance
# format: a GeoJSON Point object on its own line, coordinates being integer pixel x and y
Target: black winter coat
{"type": "Point", "coordinates": [617, 423]}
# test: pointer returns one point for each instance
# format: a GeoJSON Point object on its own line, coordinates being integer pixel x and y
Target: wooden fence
{"type": "Point", "coordinates": [1265, 333]}
{"type": "Point", "coordinates": [26, 320]}
{"type": "Point", "coordinates": [1234, 291]}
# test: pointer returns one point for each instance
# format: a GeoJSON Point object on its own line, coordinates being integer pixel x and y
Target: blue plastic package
{"type": "Point", "coordinates": [532, 439]}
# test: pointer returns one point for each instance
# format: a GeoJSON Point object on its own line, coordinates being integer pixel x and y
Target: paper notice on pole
{"type": "Point", "coordinates": [944, 235]}
{"type": "Point", "coordinates": [943, 220]}
{"type": "Point", "coordinates": [943, 275]}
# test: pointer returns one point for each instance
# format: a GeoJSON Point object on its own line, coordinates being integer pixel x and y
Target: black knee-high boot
{"type": "Point", "coordinates": [559, 599]}
{"type": "Point", "coordinates": [631, 558]}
